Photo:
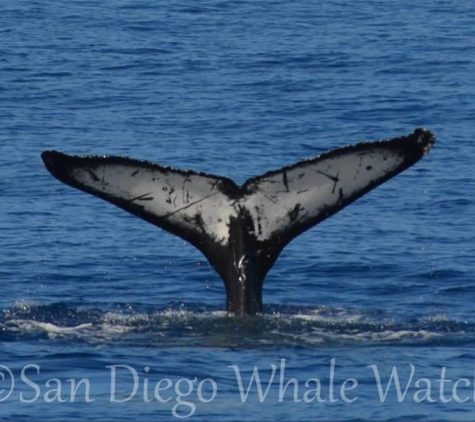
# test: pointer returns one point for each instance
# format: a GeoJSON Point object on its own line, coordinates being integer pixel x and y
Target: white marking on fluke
{"type": "Point", "coordinates": [242, 229]}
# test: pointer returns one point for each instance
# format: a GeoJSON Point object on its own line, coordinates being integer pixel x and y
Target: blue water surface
{"type": "Point", "coordinates": [236, 88]}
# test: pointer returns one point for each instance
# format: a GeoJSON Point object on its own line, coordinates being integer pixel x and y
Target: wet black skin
{"type": "Point", "coordinates": [244, 266]}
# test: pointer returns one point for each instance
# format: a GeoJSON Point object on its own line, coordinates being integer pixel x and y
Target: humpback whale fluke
{"type": "Point", "coordinates": [241, 230]}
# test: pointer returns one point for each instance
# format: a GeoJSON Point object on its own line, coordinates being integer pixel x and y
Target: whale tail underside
{"type": "Point", "coordinates": [256, 220]}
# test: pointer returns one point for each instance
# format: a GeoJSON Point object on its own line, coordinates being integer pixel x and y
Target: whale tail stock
{"type": "Point", "coordinates": [241, 229]}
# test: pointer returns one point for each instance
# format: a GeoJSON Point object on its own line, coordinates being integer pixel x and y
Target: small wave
{"type": "Point", "coordinates": [198, 326]}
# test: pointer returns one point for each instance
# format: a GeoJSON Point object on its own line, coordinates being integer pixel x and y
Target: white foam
{"type": "Point", "coordinates": [171, 327]}
{"type": "Point", "coordinates": [52, 330]}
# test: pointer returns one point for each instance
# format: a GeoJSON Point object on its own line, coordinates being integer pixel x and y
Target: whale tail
{"type": "Point", "coordinates": [241, 230]}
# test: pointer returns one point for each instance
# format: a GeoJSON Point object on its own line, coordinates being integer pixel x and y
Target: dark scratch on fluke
{"type": "Point", "coordinates": [294, 213]}
{"type": "Point", "coordinates": [241, 230]}
{"type": "Point", "coordinates": [335, 179]}
{"type": "Point", "coordinates": [94, 175]}
{"type": "Point", "coordinates": [143, 197]}
{"type": "Point", "coordinates": [284, 179]}
{"type": "Point", "coordinates": [186, 197]}
{"type": "Point", "coordinates": [340, 197]}
{"type": "Point", "coordinates": [187, 206]}
{"type": "Point", "coordinates": [199, 221]}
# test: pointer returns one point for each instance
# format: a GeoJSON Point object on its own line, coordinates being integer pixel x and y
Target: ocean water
{"type": "Point", "coordinates": [375, 299]}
